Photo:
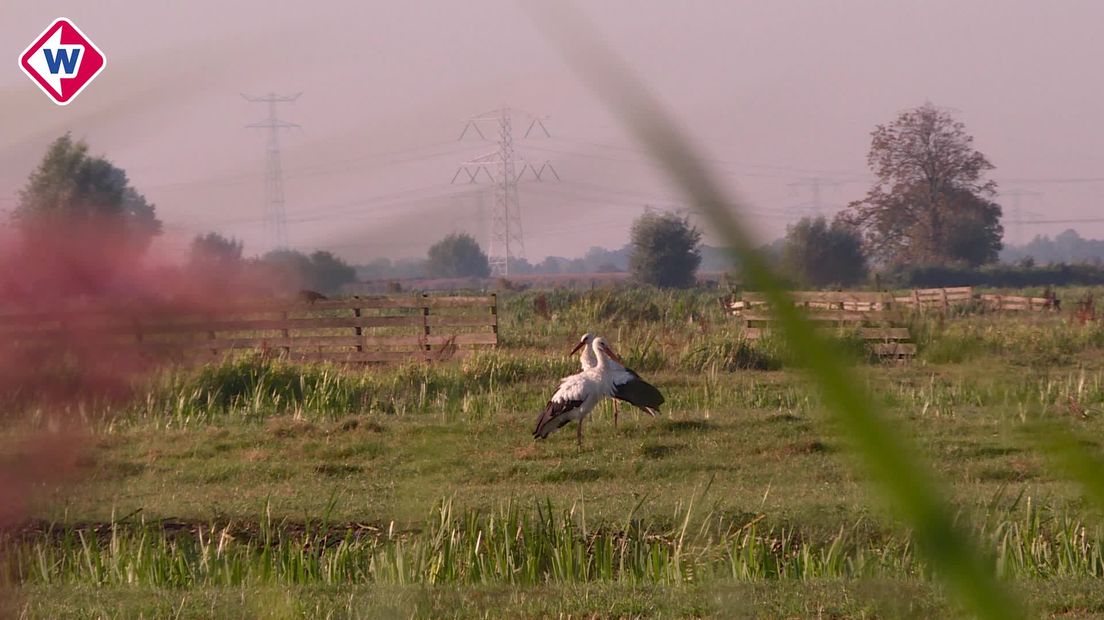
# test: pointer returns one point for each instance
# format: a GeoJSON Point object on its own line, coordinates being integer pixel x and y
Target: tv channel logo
{"type": "Point", "coordinates": [62, 61]}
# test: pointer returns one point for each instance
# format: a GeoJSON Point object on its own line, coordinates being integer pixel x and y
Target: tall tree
{"type": "Point", "coordinates": [665, 250]}
{"type": "Point", "coordinates": [457, 256]}
{"type": "Point", "coordinates": [329, 273]}
{"type": "Point", "coordinates": [215, 252]}
{"type": "Point", "coordinates": [819, 254]}
{"type": "Point", "coordinates": [215, 264]}
{"type": "Point", "coordinates": [285, 270]}
{"type": "Point", "coordinates": [931, 202]}
{"type": "Point", "coordinates": [321, 271]}
{"type": "Point", "coordinates": [73, 193]}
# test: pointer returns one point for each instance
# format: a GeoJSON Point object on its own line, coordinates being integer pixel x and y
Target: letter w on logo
{"type": "Point", "coordinates": [67, 57]}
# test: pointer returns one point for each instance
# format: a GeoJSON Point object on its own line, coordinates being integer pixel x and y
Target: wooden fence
{"type": "Point", "coordinates": [877, 317]}
{"type": "Point", "coordinates": [943, 299]}
{"type": "Point", "coordinates": [1005, 303]}
{"type": "Point", "coordinates": [936, 298]}
{"type": "Point", "coordinates": [855, 301]}
{"type": "Point", "coordinates": [924, 299]}
{"type": "Point", "coordinates": [869, 316]}
{"type": "Point", "coordinates": [356, 329]}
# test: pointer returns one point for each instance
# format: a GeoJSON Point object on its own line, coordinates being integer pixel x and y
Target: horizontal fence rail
{"type": "Point", "coordinates": [878, 317]}
{"type": "Point", "coordinates": [923, 298]}
{"type": "Point", "coordinates": [1004, 303]}
{"type": "Point", "coordinates": [869, 316]}
{"type": "Point", "coordinates": [356, 329]}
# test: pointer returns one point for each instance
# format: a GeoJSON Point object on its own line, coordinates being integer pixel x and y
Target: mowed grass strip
{"type": "Point", "coordinates": [761, 435]}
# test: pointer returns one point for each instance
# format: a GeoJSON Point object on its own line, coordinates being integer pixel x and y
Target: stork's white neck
{"type": "Point", "coordinates": [587, 357]}
{"type": "Point", "coordinates": [602, 362]}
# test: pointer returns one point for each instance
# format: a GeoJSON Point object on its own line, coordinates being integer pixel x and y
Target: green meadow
{"type": "Point", "coordinates": [259, 488]}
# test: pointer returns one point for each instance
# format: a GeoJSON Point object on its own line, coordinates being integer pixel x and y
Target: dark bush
{"type": "Point", "coordinates": [995, 276]}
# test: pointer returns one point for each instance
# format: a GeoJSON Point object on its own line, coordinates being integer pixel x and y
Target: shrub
{"type": "Point", "coordinates": [665, 250]}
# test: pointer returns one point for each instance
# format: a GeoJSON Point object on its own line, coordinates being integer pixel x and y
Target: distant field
{"type": "Point", "coordinates": [262, 489]}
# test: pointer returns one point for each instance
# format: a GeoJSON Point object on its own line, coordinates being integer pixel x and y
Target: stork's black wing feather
{"type": "Point", "coordinates": [640, 393]}
{"type": "Point", "coordinates": [552, 418]}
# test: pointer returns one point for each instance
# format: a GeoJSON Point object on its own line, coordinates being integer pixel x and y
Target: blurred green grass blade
{"type": "Point", "coordinates": [1073, 458]}
{"type": "Point", "coordinates": [888, 456]}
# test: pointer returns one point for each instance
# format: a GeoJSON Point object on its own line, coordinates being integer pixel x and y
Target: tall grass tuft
{"type": "Point", "coordinates": [253, 386]}
{"type": "Point", "coordinates": [516, 546]}
{"type": "Point", "coordinates": [732, 355]}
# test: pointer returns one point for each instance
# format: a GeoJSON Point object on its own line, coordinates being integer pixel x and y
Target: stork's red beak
{"type": "Point", "coordinates": [582, 343]}
{"type": "Point", "coordinates": [613, 356]}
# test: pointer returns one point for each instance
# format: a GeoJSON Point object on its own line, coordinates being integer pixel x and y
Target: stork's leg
{"type": "Point", "coordinates": [616, 410]}
{"type": "Point", "coordinates": [579, 432]}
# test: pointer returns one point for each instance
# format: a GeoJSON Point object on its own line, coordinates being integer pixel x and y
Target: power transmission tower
{"type": "Point", "coordinates": [815, 185]}
{"type": "Point", "coordinates": [504, 167]}
{"type": "Point", "coordinates": [1017, 196]}
{"type": "Point", "coordinates": [275, 221]}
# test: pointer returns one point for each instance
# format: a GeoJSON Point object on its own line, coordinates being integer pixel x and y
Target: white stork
{"type": "Point", "coordinates": [627, 385]}
{"type": "Point", "coordinates": [578, 395]}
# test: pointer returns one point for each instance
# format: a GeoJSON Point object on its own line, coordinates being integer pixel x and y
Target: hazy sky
{"type": "Point", "coordinates": [782, 95]}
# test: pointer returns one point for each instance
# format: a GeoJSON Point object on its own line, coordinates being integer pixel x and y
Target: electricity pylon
{"type": "Point", "coordinates": [275, 221]}
{"type": "Point", "coordinates": [503, 167]}
{"type": "Point", "coordinates": [1017, 209]}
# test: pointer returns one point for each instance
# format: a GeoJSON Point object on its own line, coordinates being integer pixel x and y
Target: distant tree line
{"type": "Point", "coordinates": [664, 250]}
{"type": "Point", "coordinates": [813, 254]}
{"type": "Point", "coordinates": [85, 230]}
{"type": "Point", "coordinates": [594, 260]}
{"type": "Point", "coordinates": [998, 275]}
{"type": "Point", "coordinates": [217, 261]}
{"type": "Point", "coordinates": [1065, 247]}
{"type": "Point", "coordinates": [929, 218]}
{"type": "Point", "coordinates": [931, 205]}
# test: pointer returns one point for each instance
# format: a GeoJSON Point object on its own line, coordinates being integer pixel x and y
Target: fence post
{"type": "Point", "coordinates": [494, 317]}
{"type": "Point", "coordinates": [284, 332]}
{"type": "Point", "coordinates": [916, 299]}
{"type": "Point", "coordinates": [943, 296]}
{"type": "Point", "coordinates": [211, 333]}
{"type": "Point", "coordinates": [425, 321]}
{"type": "Point", "coordinates": [358, 330]}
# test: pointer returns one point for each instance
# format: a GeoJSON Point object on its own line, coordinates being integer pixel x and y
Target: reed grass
{"type": "Point", "coordinates": [527, 546]}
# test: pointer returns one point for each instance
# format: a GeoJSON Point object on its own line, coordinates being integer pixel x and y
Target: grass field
{"type": "Point", "coordinates": [261, 489]}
